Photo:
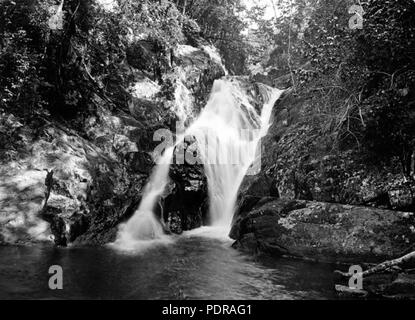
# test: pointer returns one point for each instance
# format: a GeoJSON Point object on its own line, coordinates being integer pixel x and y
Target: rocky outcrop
{"type": "Point", "coordinates": [186, 206]}
{"type": "Point", "coordinates": [321, 231]}
{"type": "Point", "coordinates": [88, 190]}
{"type": "Point", "coordinates": [301, 162]}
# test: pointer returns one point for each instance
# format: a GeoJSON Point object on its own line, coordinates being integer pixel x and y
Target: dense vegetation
{"type": "Point", "coordinates": [52, 61]}
{"type": "Point", "coordinates": [360, 71]}
{"type": "Point", "coordinates": [361, 79]}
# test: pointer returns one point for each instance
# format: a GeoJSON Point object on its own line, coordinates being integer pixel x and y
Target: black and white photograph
{"type": "Point", "coordinates": [224, 152]}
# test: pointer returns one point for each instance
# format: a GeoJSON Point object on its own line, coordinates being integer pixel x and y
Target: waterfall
{"type": "Point", "coordinates": [144, 226]}
{"type": "Point", "coordinates": [228, 133]}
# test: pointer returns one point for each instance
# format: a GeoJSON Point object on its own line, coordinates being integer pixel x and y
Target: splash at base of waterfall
{"type": "Point", "coordinates": [218, 233]}
{"type": "Point", "coordinates": [228, 133]}
{"type": "Point", "coordinates": [143, 229]}
{"type": "Point", "coordinates": [134, 246]}
{"type": "Point", "coordinates": [141, 233]}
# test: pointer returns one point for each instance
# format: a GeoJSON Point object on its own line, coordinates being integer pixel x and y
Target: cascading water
{"type": "Point", "coordinates": [144, 226]}
{"type": "Point", "coordinates": [228, 132]}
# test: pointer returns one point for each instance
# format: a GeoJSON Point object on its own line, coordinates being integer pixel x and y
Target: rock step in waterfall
{"type": "Point", "coordinates": [228, 132]}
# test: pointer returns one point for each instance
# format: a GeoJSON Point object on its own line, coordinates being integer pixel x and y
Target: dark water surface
{"type": "Point", "coordinates": [190, 267]}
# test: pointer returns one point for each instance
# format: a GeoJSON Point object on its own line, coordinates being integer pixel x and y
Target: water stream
{"type": "Point", "coordinates": [228, 132]}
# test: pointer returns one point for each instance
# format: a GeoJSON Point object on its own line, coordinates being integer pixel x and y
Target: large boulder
{"type": "Point", "coordinates": [321, 231]}
{"type": "Point", "coordinates": [186, 205]}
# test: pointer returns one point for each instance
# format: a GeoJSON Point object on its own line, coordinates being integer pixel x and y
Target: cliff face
{"type": "Point", "coordinates": [348, 192]}
{"type": "Point", "coordinates": [299, 163]}
{"type": "Point", "coordinates": [69, 186]}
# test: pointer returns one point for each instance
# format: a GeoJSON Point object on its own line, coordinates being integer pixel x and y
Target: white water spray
{"type": "Point", "coordinates": [144, 226]}
{"type": "Point", "coordinates": [228, 132]}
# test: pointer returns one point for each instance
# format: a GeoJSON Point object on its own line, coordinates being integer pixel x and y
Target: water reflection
{"type": "Point", "coordinates": [192, 267]}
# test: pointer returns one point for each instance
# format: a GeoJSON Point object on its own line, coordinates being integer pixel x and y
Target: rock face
{"type": "Point", "coordinates": [299, 163]}
{"type": "Point", "coordinates": [99, 172]}
{"type": "Point", "coordinates": [321, 231]}
{"type": "Point", "coordinates": [186, 206]}
{"type": "Point", "coordinates": [315, 201]}
{"type": "Point", "coordinates": [90, 189]}
{"type": "Point", "coordinates": [198, 66]}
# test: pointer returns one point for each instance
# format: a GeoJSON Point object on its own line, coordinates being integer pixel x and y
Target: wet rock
{"type": "Point", "coordinates": [323, 231]}
{"type": "Point", "coordinates": [246, 204]}
{"type": "Point", "coordinates": [186, 203]}
{"type": "Point", "coordinates": [174, 222]}
{"type": "Point", "coordinates": [58, 228]}
{"type": "Point", "coordinates": [57, 225]}
{"type": "Point", "coordinates": [258, 186]}
{"type": "Point", "coordinates": [78, 226]}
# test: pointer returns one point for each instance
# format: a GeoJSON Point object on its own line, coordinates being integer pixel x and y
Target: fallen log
{"type": "Point", "coordinates": [384, 266]}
